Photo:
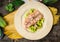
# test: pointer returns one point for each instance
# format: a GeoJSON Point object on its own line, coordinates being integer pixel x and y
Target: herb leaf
{"type": "Point", "coordinates": [9, 7]}
{"type": "Point", "coordinates": [17, 2]}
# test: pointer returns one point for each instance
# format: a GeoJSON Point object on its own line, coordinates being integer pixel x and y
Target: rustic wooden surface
{"type": "Point", "coordinates": [53, 36]}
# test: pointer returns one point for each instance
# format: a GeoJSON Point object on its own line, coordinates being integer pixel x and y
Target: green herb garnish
{"type": "Point", "coordinates": [9, 7]}
{"type": "Point", "coordinates": [49, 1]}
{"type": "Point", "coordinates": [17, 2]}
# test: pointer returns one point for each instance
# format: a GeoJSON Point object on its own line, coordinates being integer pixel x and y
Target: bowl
{"type": "Point", "coordinates": [47, 26]}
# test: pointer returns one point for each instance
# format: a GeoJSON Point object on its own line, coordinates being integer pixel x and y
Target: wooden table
{"type": "Point", "coordinates": [53, 36]}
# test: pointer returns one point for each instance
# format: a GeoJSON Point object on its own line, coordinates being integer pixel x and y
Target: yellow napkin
{"type": "Point", "coordinates": [55, 16]}
{"type": "Point", "coordinates": [10, 30]}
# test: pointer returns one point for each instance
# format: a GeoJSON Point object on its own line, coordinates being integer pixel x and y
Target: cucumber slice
{"type": "Point", "coordinates": [40, 23]}
{"type": "Point", "coordinates": [32, 29]}
{"type": "Point", "coordinates": [2, 22]}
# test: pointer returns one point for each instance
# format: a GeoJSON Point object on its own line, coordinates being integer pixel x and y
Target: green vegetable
{"type": "Point", "coordinates": [17, 2]}
{"type": "Point", "coordinates": [40, 23]}
{"type": "Point", "coordinates": [2, 22]}
{"type": "Point", "coordinates": [32, 29]}
{"type": "Point", "coordinates": [42, 20]}
{"type": "Point", "coordinates": [31, 10]}
{"type": "Point", "coordinates": [9, 7]}
{"type": "Point", "coordinates": [49, 1]}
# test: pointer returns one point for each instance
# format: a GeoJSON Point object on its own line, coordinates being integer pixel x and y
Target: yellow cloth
{"type": "Point", "coordinates": [55, 16]}
{"type": "Point", "coordinates": [10, 30]}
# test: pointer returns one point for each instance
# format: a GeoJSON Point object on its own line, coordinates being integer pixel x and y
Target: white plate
{"type": "Point", "coordinates": [46, 26]}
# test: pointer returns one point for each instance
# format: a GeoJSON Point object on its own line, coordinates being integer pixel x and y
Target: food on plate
{"type": "Point", "coordinates": [55, 16]}
{"type": "Point", "coordinates": [2, 22]}
{"type": "Point", "coordinates": [33, 20]}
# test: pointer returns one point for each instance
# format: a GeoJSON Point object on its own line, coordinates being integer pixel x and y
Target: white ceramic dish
{"type": "Point", "coordinates": [39, 34]}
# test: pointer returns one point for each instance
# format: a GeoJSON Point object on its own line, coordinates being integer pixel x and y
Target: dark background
{"type": "Point", "coordinates": [53, 36]}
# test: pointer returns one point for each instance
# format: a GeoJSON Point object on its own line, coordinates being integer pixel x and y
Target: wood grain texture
{"type": "Point", "coordinates": [53, 36]}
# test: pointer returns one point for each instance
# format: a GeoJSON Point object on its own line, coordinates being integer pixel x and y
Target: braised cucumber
{"type": "Point", "coordinates": [32, 29]}
{"type": "Point", "coordinates": [2, 22]}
